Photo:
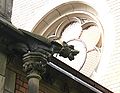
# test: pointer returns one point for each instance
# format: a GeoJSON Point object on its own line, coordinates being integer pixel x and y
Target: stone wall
{"type": "Point", "coordinates": [3, 61]}
{"type": "Point", "coordinates": [10, 77]}
{"type": "Point", "coordinates": [21, 84]}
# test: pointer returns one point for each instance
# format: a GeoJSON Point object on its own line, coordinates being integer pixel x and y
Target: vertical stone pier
{"type": "Point", "coordinates": [5, 13]}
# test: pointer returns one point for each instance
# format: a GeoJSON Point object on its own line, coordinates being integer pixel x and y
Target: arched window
{"type": "Point", "coordinates": [86, 37]}
{"type": "Point", "coordinates": [78, 25]}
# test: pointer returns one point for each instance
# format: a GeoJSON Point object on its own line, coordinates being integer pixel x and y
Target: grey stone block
{"type": "Point", "coordinates": [3, 60]}
{"type": "Point", "coordinates": [2, 6]}
{"type": "Point", "coordinates": [2, 80]}
{"type": "Point", "coordinates": [10, 81]}
{"type": "Point", "coordinates": [5, 91]}
{"type": "Point", "coordinates": [9, 4]}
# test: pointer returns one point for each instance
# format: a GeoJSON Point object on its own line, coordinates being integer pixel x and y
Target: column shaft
{"type": "Point", "coordinates": [33, 85]}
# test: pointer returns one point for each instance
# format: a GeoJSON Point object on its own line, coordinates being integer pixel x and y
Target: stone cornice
{"type": "Point", "coordinates": [19, 42]}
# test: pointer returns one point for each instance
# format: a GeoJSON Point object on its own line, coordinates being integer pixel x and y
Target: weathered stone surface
{"type": "Point", "coordinates": [6, 9]}
{"type": "Point", "coordinates": [9, 4]}
{"type": "Point", "coordinates": [2, 80]}
{"type": "Point", "coordinates": [3, 60]}
{"type": "Point", "coordinates": [2, 6]}
{"type": "Point", "coordinates": [5, 91]}
{"type": "Point", "coordinates": [10, 81]}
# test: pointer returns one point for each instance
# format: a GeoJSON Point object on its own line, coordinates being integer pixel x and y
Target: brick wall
{"type": "Point", "coordinates": [21, 85]}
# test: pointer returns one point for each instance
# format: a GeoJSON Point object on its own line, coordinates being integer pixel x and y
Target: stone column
{"type": "Point", "coordinates": [34, 66]}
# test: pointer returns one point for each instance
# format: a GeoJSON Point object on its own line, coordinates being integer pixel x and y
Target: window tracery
{"type": "Point", "coordinates": [80, 28]}
{"type": "Point", "coordinates": [85, 36]}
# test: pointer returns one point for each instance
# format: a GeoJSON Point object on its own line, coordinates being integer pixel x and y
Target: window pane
{"type": "Point", "coordinates": [71, 32]}
{"type": "Point", "coordinates": [91, 37]}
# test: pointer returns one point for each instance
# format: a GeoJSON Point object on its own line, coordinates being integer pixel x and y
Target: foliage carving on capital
{"type": "Point", "coordinates": [34, 67]}
{"type": "Point", "coordinates": [34, 62]}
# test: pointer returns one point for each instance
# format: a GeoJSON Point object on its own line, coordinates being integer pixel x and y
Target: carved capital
{"type": "Point", "coordinates": [34, 64]}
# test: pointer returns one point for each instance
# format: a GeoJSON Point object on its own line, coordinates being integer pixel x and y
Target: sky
{"type": "Point", "coordinates": [29, 8]}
